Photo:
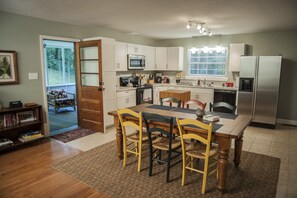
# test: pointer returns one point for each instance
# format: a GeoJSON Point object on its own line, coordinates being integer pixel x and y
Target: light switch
{"type": "Point", "coordinates": [33, 76]}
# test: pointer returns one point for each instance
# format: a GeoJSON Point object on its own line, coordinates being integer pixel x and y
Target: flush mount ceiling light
{"type": "Point", "coordinates": [200, 27]}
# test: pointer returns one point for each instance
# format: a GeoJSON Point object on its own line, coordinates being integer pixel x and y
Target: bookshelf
{"type": "Point", "coordinates": [20, 125]}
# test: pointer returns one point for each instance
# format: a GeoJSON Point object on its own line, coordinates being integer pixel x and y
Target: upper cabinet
{"type": "Point", "coordinates": [156, 58]}
{"type": "Point", "coordinates": [150, 57]}
{"type": "Point", "coordinates": [175, 58]}
{"type": "Point", "coordinates": [161, 58]}
{"type": "Point", "coordinates": [135, 49]}
{"type": "Point", "coordinates": [236, 51]}
{"type": "Point", "coordinates": [121, 50]}
{"type": "Point", "coordinates": [169, 58]}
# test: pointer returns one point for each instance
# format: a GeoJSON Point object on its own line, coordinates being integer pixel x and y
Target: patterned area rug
{"type": "Point", "coordinates": [101, 169]}
{"type": "Point", "coordinates": [73, 135]}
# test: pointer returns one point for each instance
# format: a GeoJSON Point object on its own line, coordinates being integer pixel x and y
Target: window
{"type": "Point", "coordinates": [207, 62]}
{"type": "Point", "coordinates": [59, 61]}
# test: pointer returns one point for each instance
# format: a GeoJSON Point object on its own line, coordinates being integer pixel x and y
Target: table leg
{"type": "Point", "coordinates": [237, 152]}
{"type": "Point", "coordinates": [224, 145]}
{"type": "Point", "coordinates": [119, 137]}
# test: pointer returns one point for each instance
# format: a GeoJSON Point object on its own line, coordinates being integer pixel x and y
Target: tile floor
{"type": "Point", "coordinates": [280, 142]}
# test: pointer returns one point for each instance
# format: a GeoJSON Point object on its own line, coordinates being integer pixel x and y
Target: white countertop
{"type": "Point", "coordinates": [178, 85]}
{"type": "Point", "coordinates": [194, 86]}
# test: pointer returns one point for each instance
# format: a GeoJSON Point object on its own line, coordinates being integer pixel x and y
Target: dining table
{"type": "Point", "coordinates": [229, 127]}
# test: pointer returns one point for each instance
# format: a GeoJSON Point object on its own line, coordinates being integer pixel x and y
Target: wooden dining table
{"type": "Point", "coordinates": [228, 127]}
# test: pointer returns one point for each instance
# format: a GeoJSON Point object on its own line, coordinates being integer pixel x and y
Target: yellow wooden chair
{"type": "Point", "coordinates": [200, 148]}
{"type": "Point", "coordinates": [132, 143]}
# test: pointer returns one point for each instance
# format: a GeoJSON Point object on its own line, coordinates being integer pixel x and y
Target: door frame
{"type": "Point", "coordinates": [45, 105]}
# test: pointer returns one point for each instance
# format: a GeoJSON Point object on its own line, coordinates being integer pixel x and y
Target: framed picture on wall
{"type": "Point", "coordinates": [8, 68]}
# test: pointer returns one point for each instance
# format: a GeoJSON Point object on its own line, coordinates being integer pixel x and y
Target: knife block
{"type": "Point", "coordinates": [150, 81]}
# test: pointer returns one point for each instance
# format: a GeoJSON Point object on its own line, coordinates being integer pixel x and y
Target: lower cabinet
{"type": "Point", "coordinates": [126, 98]}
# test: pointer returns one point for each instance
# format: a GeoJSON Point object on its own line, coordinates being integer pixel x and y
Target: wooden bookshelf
{"type": "Point", "coordinates": [16, 121]}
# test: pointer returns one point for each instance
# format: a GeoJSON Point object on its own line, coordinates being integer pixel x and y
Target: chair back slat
{"type": "Point", "coordinates": [224, 105]}
{"type": "Point", "coordinates": [194, 101]}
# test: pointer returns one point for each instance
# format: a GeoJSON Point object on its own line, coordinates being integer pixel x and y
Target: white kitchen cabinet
{"type": "Point", "coordinates": [175, 58]}
{"type": "Point", "coordinates": [150, 57]}
{"type": "Point", "coordinates": [135, 49]}
{"type": "Point", "coordinates": [126, 98]}
{"type": "Point", "coordinates": [236, 51]}
{"type": "Point", "coordinates": [121, 56]}
{"type": "Point", "coordinates": [161, 58]}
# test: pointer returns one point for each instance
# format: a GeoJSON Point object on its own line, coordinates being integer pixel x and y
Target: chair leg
{"type": "Point", "coordinates": [151, 162]}
{"type": "Point", "coordinates": [160, 156]}
{"type": "Point", "coordinates": [184, 170]}
{"type": "Point", "coordinates": [192, 163]}
{"type": "Point", "coordinates": [168, 166]}
{"type": "Point", "coordinates": [139, 155]}
{"type": "Point", "coordinates": [136, 148]}
{"type": "Point", "coordinates": [205, 176]}
{"type": "Point", "coordinates": [124, 151]}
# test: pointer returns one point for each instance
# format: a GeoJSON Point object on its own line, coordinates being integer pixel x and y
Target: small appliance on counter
{"type": "Point", "coordinates": [124, 81]}
{"type": "Point", "coordinates": [177, 76]}
{"type": "Point", "coordinates": [159, 77]}
{"type": "Point", "coordinates": [229, 84]}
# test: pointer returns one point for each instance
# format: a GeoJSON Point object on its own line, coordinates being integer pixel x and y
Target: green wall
{"type": "Point", "coordinates": [21, 33]}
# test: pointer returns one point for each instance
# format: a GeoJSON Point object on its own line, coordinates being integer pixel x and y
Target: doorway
{"type": "Point", "coordinates": [60, 83]}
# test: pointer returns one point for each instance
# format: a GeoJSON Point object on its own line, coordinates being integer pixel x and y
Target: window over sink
{"type": "Point", "coordinates": [207, 62]}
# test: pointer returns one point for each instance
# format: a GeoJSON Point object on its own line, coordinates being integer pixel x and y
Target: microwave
{"type": "Point", "coordinates": [136, 61]}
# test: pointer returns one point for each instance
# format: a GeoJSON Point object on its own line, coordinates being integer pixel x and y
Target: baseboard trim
{"type": "Point", "coordinates": [285, 121]}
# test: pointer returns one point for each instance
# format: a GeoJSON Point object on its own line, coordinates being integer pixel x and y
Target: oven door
{"type": "Point", "coordinates": [144, 95]}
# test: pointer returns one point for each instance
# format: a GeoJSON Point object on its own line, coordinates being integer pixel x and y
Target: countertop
{"type": "Point", "coordinates": [194, 86]}
{"type": "Point", "coordinates": [179, 85]}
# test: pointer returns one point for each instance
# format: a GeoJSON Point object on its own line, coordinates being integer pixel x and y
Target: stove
{"type": "Point", "coordinates": [144, 94]}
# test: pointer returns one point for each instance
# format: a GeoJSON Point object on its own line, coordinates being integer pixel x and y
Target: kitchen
{"type": "Point", "coordinates": [148, 77]}
{"type": "Point", "coordinates": [265, 41]}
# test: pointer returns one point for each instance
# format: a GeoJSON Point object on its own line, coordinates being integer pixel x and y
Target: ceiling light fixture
{"type": "Point", "coordinates": [200, 26]}
{"type": "Point", "coordinates": [189, 25]}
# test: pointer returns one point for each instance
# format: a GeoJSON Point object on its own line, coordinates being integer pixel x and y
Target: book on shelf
{"type": "Point", "coordinates": [32, 135]}
{"type": "Point", "coordinates": [5, 142]}
{"type": "Point", "coordinates": [26, 116]}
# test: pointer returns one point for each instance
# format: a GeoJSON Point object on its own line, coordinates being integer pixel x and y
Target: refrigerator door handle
{"type": "Point", "coordinates": [255, 88]}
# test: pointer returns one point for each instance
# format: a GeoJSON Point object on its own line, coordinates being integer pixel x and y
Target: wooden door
{"type": "Point", "coordinates": [90, 85]}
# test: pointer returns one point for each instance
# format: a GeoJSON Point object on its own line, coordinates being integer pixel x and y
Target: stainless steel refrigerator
{"type": "Point", "coordinates": [259, 80]}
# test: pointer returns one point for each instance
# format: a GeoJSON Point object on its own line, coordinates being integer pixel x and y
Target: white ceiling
{"type": "Point", "coordinates": [164, 18]}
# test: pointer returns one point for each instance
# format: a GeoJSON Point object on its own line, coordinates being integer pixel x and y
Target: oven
{"type": "Point", "coordinates": [144, 94]}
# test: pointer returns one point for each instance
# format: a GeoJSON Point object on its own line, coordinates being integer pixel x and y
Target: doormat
{"type": "Point", "coordinates": [73, 135]}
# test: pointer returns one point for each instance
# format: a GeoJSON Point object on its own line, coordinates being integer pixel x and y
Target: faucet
{"type": "Point", "coordinates": [204, 82]}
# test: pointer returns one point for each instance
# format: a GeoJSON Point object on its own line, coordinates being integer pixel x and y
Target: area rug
{"type": "Point", "coordinates": [73, 135]}
{"type": "Point", "coordinates": [101, 169]}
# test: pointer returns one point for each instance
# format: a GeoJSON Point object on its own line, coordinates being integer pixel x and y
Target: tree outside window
{"type": "Point", "coordinates": [59, 65]}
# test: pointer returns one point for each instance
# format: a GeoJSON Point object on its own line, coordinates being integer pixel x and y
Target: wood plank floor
{"type": "Point", "coordinates": [28, 172]}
